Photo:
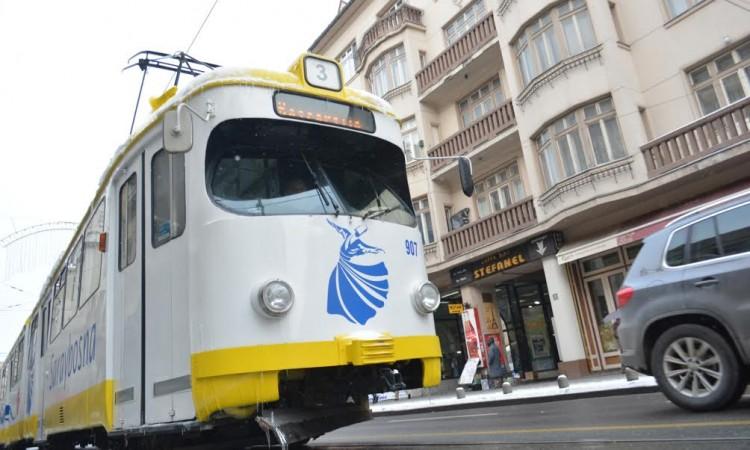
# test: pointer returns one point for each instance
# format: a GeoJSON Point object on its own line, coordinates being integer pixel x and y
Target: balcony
{"type": "Point", "coordinates": [474, 135]}
{"type": "Point", "coordinates": [498, 226]}
{"type": "Point", "coordinates": [714, 133]}
{"type": "Point", "coordinates": [388, 25]}
{"type": "Point", "coordinates": [458, 53]}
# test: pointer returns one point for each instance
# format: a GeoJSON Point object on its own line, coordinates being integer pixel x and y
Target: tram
{"type": "Point", "coordinates": [250, 261]}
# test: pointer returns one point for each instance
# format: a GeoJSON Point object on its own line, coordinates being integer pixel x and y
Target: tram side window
{"type": "Point", "coordinates": [45, 328]}
{"type": "Point", "coordinates": [73, 284]}
{"type": "Point", "coordinates": [57, 306]}
{"type": "Point", "coordinates": [16, 363]}
{"type": "Point", "coordinates": [91, 271]}
{"type": "Point", "coordinates": [167, 197]}
{"type": "Point", "coordinates": [31, 358]}
{"type": "Point", "coordinates": [128, 222]}
{"type": "Point", "coordinates": [4, 380]}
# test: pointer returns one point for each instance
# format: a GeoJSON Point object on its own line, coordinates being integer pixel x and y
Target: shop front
{"type": "Point", "coordinates": [508, 289]}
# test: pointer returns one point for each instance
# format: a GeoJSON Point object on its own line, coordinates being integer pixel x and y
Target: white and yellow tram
{"type": "Point", "coordinates": [251, 250]}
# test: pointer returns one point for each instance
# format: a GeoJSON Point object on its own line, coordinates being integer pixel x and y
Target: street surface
{"type": "Point", "coordinates": [631, 421]}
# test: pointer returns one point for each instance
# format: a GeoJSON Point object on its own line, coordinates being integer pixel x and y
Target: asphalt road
{"type": "Point", "coordinates": [630, 421]}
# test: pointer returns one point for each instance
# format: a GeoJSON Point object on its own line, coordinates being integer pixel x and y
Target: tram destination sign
{"type": "Point", "coordinates": [537, 248]}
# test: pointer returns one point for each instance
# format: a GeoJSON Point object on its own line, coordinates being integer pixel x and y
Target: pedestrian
{"type": "Point", "coordinates": [496, 369]}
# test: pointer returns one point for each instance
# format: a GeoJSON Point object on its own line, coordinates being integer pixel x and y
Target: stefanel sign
{"type": "Point", "coordinates": [537, 248]}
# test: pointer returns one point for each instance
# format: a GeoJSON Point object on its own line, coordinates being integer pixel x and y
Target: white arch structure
{"type": "Point", "coordinates": [34, 247]}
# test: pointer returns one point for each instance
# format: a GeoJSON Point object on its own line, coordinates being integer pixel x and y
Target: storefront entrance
{"type": "Point", "coordinates": [525, 309]}
{"type": "Point", "coordinates": [449, 329]}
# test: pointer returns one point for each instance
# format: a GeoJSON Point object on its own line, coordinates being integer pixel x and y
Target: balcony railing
{"type": "Point", "coordinates": [387, 25]}
{"type": "Point", "coordinates": [475, 134]}
{"type": "Point", "coordinates": [715, 132]}
{"type": "Point", "coordinates": [457, 53]}
{"type": "Point", "coordinates": [495, 227]}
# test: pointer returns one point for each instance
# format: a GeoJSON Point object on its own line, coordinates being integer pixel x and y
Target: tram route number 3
{"type": "Point", "coordinates": [411, 247]}
{"type": "Point", "coordinates": [322, 73]}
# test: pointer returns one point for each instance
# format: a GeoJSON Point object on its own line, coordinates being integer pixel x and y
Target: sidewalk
{"type": "Point", "coordinates": [444, 397]}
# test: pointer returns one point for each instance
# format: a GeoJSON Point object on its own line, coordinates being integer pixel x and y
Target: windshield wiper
{"type": "Point", "coordinates": [321, 192]}
{"type": "Point", "coordinates": [378, 212]}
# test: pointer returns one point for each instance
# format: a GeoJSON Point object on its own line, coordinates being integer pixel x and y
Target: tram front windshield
{"type": "Point", "coordinates": [276, 167]}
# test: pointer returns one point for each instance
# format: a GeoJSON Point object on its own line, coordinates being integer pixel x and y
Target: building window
{"type": "Point", "coordinates": [463, 22]}
{"type": "Point", "coordinates": [395, 7]}
{"type": "Point", "coordinates": [584, 138]}
{"type": "Point", "coordinates": [499, 191]}
{"type": "Point", "coordinates": [410, 137]}
{"type": "Point", "coordinates": [348, 61]}
{"type": "Point", "coordinates": [724, 80]}
{"type": "Point", "coordinates": [424, 220]}
{"type": "Point", "coordinates": [388, 71]}
{"type": "Point", "coordinates": [563, 32]}
{"type": "Point", "coordinates": [677, 7]}
{"type": "Point", "coordinates": [481, 102]}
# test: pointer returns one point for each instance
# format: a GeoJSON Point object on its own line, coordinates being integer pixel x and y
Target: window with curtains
{"type": "Point", "coordinates": [724, 80]}
{"type": "Point", "coordinates": [677, 7]}
{"type": "Point", "coordinates": [388, 71]}
{"type": "Point", "coordinates": [584, 138]}
{"type": "Point", "coordinates": [464, 21]}
{"type": "Point", "coordinates": [480, 102]}
{"type": "Point", "coordinates": [348, 61]}
{"type": "Point", "coordinates": [424, 220]}
{"type": "Point", "coordinates": [410, 137]}
{"type": "Point", "coordinates": [499, 190]}
{"type": "Point", "coordinates": [559, 33]}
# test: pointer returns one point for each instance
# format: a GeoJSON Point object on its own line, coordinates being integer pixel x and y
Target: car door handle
{"type": "Point", "coordinates": [706, 282]}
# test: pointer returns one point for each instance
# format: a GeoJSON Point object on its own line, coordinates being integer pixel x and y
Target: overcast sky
{"type": "Point", "coordinates": [65, 105]}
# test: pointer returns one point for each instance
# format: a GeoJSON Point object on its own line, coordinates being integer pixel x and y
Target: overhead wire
{"type": "Point", "coordinates": [195, 38]}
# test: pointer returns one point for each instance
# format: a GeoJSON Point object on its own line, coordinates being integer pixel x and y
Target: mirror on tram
{"type": "Point", "coordinates": [178, 131]}
{"type": "Point", "coordinates": [464, 172]}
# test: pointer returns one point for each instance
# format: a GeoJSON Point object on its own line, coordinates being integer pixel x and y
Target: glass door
{"type": "Point", "coordinates": [602, 291]}
{"type": "Point", "coordinates": [537, 327]}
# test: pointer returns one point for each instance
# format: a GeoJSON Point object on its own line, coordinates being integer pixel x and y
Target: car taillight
{"type": "Point", "coordinates": [624, 295]}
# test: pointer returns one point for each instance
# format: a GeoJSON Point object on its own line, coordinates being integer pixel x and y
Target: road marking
{"type": "Point", "coordinates": [427, 419]}
{"type": "Point", "coordinates": [503, 432]}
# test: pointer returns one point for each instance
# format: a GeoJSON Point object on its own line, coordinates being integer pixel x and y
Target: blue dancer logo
{"type": "Point", "coordinates": [356, 291]}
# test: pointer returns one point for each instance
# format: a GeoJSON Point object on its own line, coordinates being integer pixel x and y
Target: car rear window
{"type": "Point", "coordinates": [734, 230]}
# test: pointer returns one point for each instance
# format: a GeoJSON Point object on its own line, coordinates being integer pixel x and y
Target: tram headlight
{"type": "Point", "coordinates": [276, 298]}
{"type": "Point", "coordinates": [427, 298]}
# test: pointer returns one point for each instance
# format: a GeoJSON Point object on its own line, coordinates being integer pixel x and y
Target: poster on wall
{"type": "Point", "coordinates": [474, 336]}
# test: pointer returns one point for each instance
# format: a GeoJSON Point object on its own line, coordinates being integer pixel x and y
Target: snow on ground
{"type": "Point", "coordinates": [525, 391]}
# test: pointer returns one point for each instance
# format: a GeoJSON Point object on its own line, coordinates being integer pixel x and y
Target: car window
{"type": "Point", "coordinates": [703, 242]}
{"type": "Point", "coordinates": [676, 249]}
{"type": "Point", "coordinates": [734, 230]}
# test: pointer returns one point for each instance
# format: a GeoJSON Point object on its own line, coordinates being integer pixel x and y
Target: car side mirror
{"type": "Point", "coordinates": [178, 130]}
{"type": "Point", "coordinates": [465, 173]}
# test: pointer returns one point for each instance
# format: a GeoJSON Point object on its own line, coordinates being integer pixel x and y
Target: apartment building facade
{"type": "Point", "coordinates": [589, 123]}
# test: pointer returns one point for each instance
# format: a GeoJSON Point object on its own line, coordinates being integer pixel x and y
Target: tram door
{"type": "Point", "coordinates": [168, 394]}
{"type": "Point", "coordinates": [128, 294]}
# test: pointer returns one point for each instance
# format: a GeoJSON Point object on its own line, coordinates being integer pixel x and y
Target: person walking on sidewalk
{"type": "Point", "coordinates": [496, 369]}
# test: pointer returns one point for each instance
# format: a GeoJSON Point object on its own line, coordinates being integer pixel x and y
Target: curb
{"type": "Point", "coordinates": [519, 401]}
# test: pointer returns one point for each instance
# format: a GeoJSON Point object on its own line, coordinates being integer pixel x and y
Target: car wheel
{"type": "Point", "coordinates": [696, 368]}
